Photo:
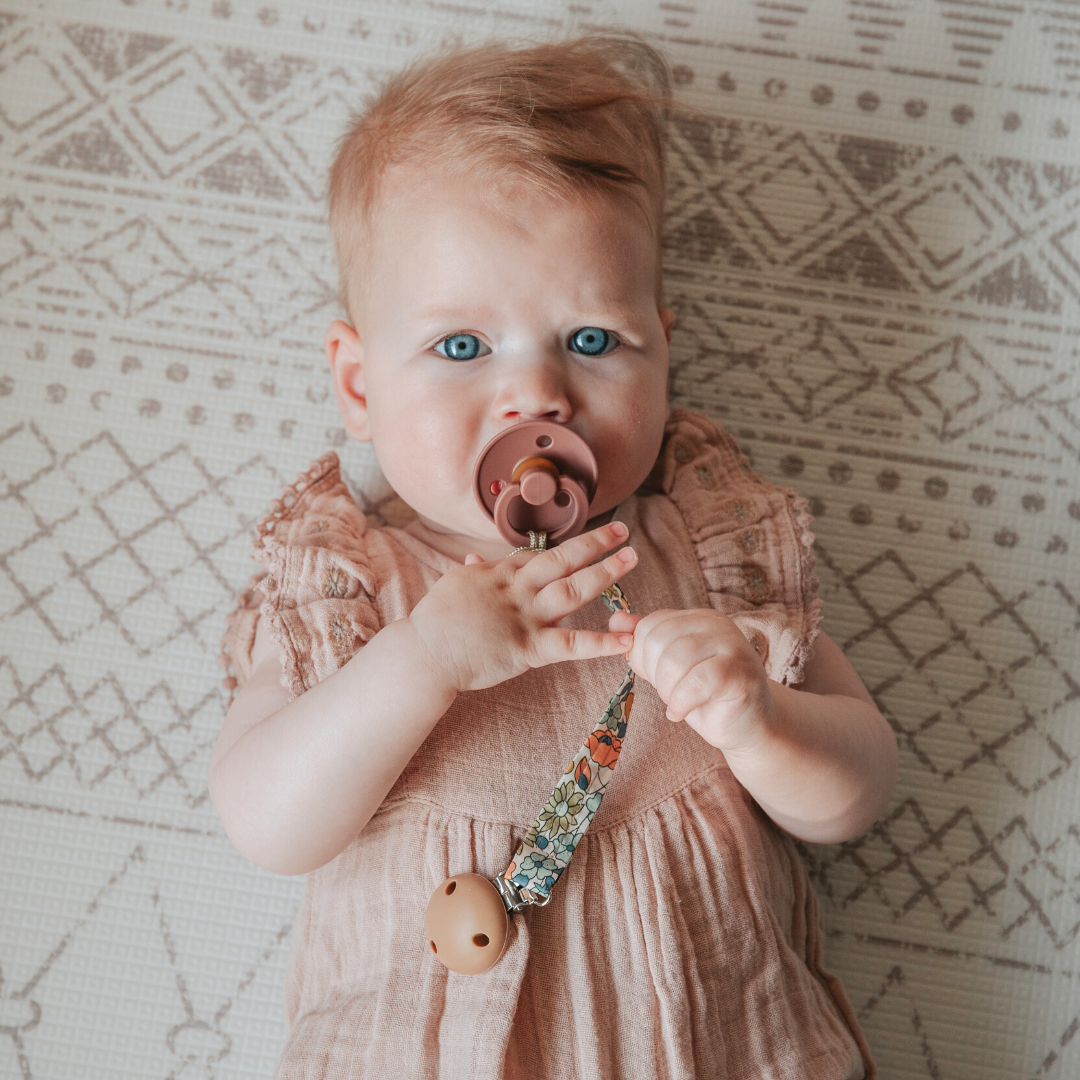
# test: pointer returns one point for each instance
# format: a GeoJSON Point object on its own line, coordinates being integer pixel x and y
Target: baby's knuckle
{"type": "Point", "coordinates": [561, 645]}
{"type": "Point", "coordinates": [561, 558]}
{"type": "Point", "coordinates": [572, 589]}
{"type": "Point", "coordinates": [698, 680]}
{"type": "Point", "coordinates": [653, 655]}
{"type": "Point", "coordinates": [736, 667]}
{"type": "Point", "coordinates": [650, 621]}
{"type": "Point", "coordinates": [664, 663]}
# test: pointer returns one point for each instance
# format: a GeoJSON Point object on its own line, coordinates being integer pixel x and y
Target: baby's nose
{"type": "Point", "coordinates": [534, 391]}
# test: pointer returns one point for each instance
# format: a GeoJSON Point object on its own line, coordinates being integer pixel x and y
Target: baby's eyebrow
{"type": "Point", "coordinates": [613, 311]}
{"type": "Point", "coordinates": [453, 315]}
{"type": "Point", "coordinates": [450, 317]}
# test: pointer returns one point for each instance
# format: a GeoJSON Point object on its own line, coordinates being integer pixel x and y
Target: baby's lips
{"type": "Point", "coordinates": [536, 476]}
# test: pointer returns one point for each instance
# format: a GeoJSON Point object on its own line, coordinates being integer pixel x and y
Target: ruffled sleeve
{"type": "Point", "coordinates": [752, 541]}
{"type": "Point", "coordinates": [317, 594]}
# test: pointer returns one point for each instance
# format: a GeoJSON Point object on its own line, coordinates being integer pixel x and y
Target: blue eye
{"type": "Point", "coordinates": [461, 347]}
{"type": "Point", "coordinates": [592, 341]}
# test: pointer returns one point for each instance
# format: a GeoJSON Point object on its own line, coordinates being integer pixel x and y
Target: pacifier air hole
{"type": "Point", "coordinates": [481, 940]}
{"type": "Point", "coordinates": [562, 499]}
{"type": "Point", "coordinates": [544, 440]}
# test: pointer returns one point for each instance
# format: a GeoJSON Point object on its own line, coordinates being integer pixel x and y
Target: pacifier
{"type": "Point", "coordinates": [537, 476]}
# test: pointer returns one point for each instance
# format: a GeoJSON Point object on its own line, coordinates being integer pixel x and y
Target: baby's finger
{"type": "Point", "coordinates": [558, 643]}
{"type": "Point", "coordinates": [668, 642]}
{"type": "Point", "coordinates": [623, 622]}
{"type": "Point", "coordinates": [562, 597]}
{"type": "Point", "coordinates": [698, 686]}
{"type": "Point", "coordinates": [472, 558]}
{"type": "Point", "coordinates": [571, 556]}
{"type": "Point", "coordinates": [677, 662]}
{"type": "Point", "coordinates": [652, 636]}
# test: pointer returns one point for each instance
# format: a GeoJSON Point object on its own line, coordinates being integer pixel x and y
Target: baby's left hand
{"type": "Point", "coordinates": [705, 671]}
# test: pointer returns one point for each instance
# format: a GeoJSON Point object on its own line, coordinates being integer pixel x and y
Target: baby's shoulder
{"type": "Point", "coordinates": [751, 539]}
{"type": "Point", "coordinates": [317, 511]}
{"type": "Point", "coordinates": [317, 541]}
{"type": "Point", "coordinates": [701, 468]}
{"type": "Point", "coordinates": [330, 580]}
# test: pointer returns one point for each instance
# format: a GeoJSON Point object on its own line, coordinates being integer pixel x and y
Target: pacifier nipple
{"type": "Point", "coordinates": [539, 480]}
{"type": "Point", "coordinates": [537, 476]}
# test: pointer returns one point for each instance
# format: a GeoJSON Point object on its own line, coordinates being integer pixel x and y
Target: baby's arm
{"type": "Point", "coordinates": [820, 760]}
{"type": "Point", "coordinates": [295, 781]}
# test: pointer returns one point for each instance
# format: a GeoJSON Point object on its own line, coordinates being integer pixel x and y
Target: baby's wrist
{"type": "Point", "coordinates": [760, 730]}
{"type": "Point", "coordinates": [432, 656]}
{"type": "Point", "coordinates": [426, 659]}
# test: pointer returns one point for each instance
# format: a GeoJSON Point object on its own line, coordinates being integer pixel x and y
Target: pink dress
{"type": "Point", "coordinates": [683, 940]}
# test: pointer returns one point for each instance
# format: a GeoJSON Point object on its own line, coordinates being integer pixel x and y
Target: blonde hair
{"type": "Point", "coordinates": [563, 119]}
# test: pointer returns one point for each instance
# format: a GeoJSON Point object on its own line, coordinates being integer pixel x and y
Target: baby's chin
{"type": "Point", "coordinates": [458, 535]}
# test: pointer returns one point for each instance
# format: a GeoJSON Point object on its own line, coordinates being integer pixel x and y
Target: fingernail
{"type": "Point", "coordinates": [627, 555]}
{"type": "Point", "coordinates": [626, 639]}
{"type": "Point", "coordinates": [619, 530]}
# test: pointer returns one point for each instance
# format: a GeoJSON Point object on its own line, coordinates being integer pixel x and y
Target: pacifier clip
{"type": "Point", "coordinates": [535, 480]}
{"type": "Point", "coordinates": [467, 922]}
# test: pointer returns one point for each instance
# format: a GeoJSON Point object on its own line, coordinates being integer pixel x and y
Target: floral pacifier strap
{"type": "Point", "coordinates": [548, 846]}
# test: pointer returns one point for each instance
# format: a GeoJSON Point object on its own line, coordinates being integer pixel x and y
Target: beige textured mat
{"type": "Point", "coordinates": [874, 253]}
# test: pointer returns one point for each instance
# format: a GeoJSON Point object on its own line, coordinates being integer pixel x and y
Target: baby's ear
{"type": "Point", "coordinates": [667, 320]}
{"type": "Point", "coordinates": [345, 352]}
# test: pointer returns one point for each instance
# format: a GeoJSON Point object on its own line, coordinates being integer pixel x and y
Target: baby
{"type": "Point", "coordinates": [407, 696]}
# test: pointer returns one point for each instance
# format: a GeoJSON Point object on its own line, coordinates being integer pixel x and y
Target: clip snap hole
{"type": "Point", "coordinates": [562, 499]}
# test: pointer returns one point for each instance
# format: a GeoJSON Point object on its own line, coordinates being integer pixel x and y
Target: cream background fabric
{"type": "Point", "coordinates": [873, 248]}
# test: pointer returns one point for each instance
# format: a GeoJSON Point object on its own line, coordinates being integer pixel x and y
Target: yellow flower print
{"type": "Point", "coordinates": [562, 808]}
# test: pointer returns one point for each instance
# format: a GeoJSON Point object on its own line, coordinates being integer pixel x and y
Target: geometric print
{"type": "Point", "coordinates": [872, 247]}
{"type": "Point", "coordinates": [131, 549]}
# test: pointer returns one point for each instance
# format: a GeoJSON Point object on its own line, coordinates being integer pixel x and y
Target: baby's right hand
{"type": "Point", "coordinates": [485, 622]}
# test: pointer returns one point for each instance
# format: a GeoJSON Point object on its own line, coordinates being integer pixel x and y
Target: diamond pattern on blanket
{"type": "Point", "coordinates": [872, 247]}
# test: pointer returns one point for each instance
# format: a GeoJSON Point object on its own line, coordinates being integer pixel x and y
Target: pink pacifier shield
{"type": "Point", "coordinates": [537, 476]}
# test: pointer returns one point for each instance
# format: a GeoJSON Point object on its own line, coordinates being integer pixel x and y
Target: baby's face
{"type": "Point", "coordinates": [468, 320]}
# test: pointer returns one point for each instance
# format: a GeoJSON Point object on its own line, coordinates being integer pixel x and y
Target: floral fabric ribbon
{"type": "Point", "coordinates": [545, 852]}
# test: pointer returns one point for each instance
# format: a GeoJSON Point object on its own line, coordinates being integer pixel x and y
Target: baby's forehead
{"type": "Point", "coordinates": [514, 199]}
{"type": "Point", "coordinates": [418, 209]}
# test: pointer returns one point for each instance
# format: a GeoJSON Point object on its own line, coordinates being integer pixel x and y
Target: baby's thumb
{"type": "Point", "coordinates": [622, 622]}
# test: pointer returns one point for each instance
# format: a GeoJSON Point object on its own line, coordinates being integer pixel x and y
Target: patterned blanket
{"type": "Point", "coordinates": [873, 249]}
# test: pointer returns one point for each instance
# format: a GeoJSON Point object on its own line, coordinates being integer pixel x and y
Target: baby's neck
{"type": "Point", "coordinates": [455, 545]}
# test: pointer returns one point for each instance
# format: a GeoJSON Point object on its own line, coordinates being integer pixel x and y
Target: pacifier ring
{"type": "Point", "coordinates": [537, 542]}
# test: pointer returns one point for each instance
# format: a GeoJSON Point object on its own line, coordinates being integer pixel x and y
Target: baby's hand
{"type": "Point", "coordinates": [705, 671]}
{"type": "Point", "coordinates": [485, 622]}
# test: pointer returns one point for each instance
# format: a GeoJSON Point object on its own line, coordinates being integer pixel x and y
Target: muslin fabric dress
{"type": "Point", "coordinates": [683, 940]}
